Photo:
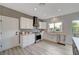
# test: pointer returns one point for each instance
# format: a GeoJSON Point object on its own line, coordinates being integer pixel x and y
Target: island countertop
{"type": "Point", "coordinates": [76, 41]}
{"type": "Point", "coordinates": [60, 33]}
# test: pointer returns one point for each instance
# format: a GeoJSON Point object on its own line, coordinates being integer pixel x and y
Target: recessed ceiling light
{"type": "Point", "coordinates": [35, 9]}
{"type": "Point", "coordinates": [59, 10]}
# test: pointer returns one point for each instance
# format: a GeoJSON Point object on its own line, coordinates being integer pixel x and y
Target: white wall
{"type": "Point", "coordinates": [67, 26]}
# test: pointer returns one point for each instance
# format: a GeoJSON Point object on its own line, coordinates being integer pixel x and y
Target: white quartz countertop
{"type": "Point", "coordinates": [76, 40]}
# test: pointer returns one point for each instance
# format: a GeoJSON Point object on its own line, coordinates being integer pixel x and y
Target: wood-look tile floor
{"type": "Point", "coordinates": [40, 48]}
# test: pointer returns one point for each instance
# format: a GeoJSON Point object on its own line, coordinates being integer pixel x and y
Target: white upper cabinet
{"type": "Point", "coordinates": [26, 23]}
{"type": "Point", "coordinates": [42, 25]}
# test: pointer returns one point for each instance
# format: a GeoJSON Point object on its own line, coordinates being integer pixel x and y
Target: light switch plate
{"type": "Point", "coordinates": [1, 46]}
{"type": "Point", "coordinates": [0, 20]}
{"type": "Point", "coordinates": [0, 32]}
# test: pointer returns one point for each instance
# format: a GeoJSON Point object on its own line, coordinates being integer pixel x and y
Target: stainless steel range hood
{"type": "Point", "coordinates": [35, 21]}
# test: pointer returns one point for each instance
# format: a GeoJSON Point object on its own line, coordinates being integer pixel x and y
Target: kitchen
{"type": "Point", "coordinates": [22, 27]}
{"type": "Point", "coordinates": [29, 31]}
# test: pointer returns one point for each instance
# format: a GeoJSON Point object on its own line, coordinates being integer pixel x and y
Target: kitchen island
{"type": "Point", "coordinates": [26, 39]}
{"type": "Point", "coordinates": [75, 45]}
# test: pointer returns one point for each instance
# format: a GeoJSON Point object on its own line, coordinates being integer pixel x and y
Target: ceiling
{"type": "Point", "coordinates": [44, 10]}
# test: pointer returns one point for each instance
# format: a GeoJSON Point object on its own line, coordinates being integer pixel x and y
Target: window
{"type": "Point", "coordinates": [55, 27]}
{"type": "Point", "coordinates": [75, 27]}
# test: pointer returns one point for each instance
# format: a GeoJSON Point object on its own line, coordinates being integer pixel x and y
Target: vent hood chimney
{"type": "Point", "coordinates": [35, 22]}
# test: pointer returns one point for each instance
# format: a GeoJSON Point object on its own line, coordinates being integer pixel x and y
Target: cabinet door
{"type": "Point", "coordinates": [30, 24]}
{"type": "Point", "coordinates": [42, 25]}
{"type": "Point", "coordinates": [10, 27]}
{"type": "Point", "coordinates": [26, 23]}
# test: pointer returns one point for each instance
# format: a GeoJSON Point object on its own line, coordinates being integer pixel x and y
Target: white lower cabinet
{"type": "Point", "coordinates": [10, 35]}
{"type": "Point", "coordinates": [26, 40]}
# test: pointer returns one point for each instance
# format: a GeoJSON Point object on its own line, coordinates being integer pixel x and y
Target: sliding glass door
{"type": "Point", "coordinates": [75, 28]}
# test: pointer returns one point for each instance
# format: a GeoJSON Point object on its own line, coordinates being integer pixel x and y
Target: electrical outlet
{"type": "Point", "coordinates": [0, 32]}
